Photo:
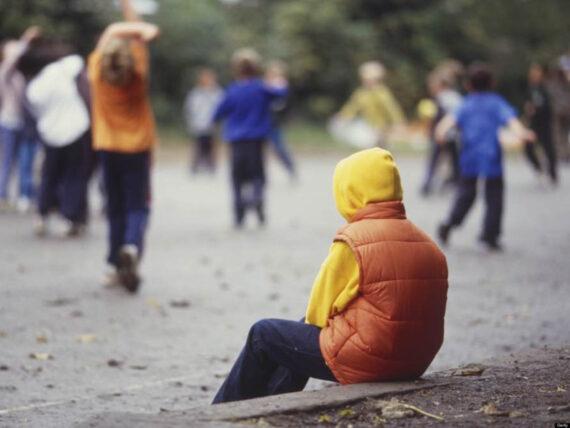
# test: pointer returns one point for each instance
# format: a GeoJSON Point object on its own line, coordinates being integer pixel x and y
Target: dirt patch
{"type": "Point", "coordinates": [518, 393]}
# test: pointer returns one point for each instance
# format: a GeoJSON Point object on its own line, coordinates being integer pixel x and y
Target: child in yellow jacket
{"type": "Point", "coordinates": [380, 269]}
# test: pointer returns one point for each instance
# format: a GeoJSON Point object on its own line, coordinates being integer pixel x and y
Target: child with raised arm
{"type": "Point", "coordinates": [246, 112]}
{"type": "Point", "coordinates": [377, 307]}
{"type": "Point", "coordinates": [479, 119]}
{"type": "Point", "coordinates": [124, 135]}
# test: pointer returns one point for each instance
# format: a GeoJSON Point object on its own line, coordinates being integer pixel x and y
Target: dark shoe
{"type": "Point", "coordinates": [491, 245]}
{"type": "Point", "coordinates": [128, 268]}
{"type": "Point", "coordinates": [443, 232]}
{"type": "Point", "coordinates": [260, 214]}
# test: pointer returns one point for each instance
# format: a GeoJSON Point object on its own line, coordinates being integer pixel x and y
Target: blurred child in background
{"type": "Point", "coordinates": [124, 134]}
{"type": "Point", "coordinates": [199, 107]}
{"type": "Point", "coordinates": [538, 113]}
{"type": "Point", "coordinates": [374, 102]}
{"type": "Point", "coordinates": [479, 119]}
{"type": "Point", "coordinates": [447, 101]}
{"type": "Point", "coordinates": [246, 112]}
{"type": "Point", "coordinates": [277, 70]}
{"type": "Point", "coordinates": [63, 124]}
{"type": "Point", "coordinates": [12, 115]}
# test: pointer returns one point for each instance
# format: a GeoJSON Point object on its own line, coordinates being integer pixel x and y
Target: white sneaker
{"type": "Point", "coordinates": [41, 227]}
{"type": "Point", "coordinates": [74, 229]}
{"type": "Point", "coordinates": [24, 205]}
{"type": "Point", "coordinates": [111, 277]}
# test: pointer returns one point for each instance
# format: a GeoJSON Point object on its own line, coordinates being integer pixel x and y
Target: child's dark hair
{"type": "Point", "coordinates": [480, 77]}
{"type": "Point", "coordinates": [246, 63]}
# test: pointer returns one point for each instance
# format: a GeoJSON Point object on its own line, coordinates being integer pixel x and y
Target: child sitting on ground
{"type": "Point", "coordinates": [479, 119]}
{"type": "Point", "coordinates": [377, 306]}
{"type": "Point", "coordinates": [246, 110]}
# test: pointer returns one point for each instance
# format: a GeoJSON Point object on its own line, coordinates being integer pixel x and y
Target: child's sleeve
{"type": "Point", "coordinates": [505, 111]}
{"type": "Point", "coordinates": [335, 286]}
{"type": "Point", "coordinates": [222, 109]}
{"type": "Point", "coordinates": [352, 107]}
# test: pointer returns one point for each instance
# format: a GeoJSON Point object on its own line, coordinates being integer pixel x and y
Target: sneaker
{"type": "Point", "coordinates": [41, 227]}
{"type": "Point", "coordinates": [24, 205]}
{"type": "Point", "coordinates": [490, 245]}
{"type": "Point", "coordinates": [260, 214]}
{"type": "Point", "coordinates": [5, 205]}
{"type": "Point", "coordinates": [111, 277]}
{"type": "Point", "coordinates": [443, 232]}
{"type": "Point", "coordinates": [128, 268]}
{"type": "Point", "coordinates": [74, 229]}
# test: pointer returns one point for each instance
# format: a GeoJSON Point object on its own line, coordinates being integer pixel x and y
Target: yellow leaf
{"type": "Point", "coordinates": [86, 338]}
{"type": "Point", "coordinates": [41, 356]}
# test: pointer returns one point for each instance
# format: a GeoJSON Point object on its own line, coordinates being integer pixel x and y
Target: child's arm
{"type": "Point", "coordinates": [520, 131]}
{"type": "Point", "coordinates": [129, 12]}
{"type": "Point", "coordinates": [335, 286]}
{"type": "Point", "coordinates": [443, 127]}
{"type": "Point", "coordinates": [139, 30]}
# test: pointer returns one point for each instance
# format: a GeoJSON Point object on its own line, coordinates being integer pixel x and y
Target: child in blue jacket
{"type": "Point", "coordinates": [246, 112]}
{"type": "Point", "coordinates": [479, 119]}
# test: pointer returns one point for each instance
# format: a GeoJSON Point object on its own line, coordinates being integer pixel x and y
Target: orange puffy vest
{"type": "Point", "coordinates": [394, 328]}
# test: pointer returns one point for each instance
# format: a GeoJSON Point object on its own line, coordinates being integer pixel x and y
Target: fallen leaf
{"type": "Point", "coordinates": [41, 338]}
{"type": "Point", "coordinates": [114, 363]}
{"type": "Point", "coordinates": [346, 413]}
{"type": "Point", "coordinates": [516, 414]}
{"type": "Point", "coordinates": [492, 410]}
{"type": "Point", "coordinates": [3, 333]}
{"type": "Point", "coordinates": [560, 388]}
{"type": "Point", "coordinates": [60, 301]}
{"type": "Point", "coordinates": [395, 409]}
{"type": "Point", "coordinates": [325, 419]}
{"type": "Point", "coordinates": [41, 356]}
{"type": "Point", "coordinates": [86, 338]}
{"type": "Point", "coordinates": [180, 303]}
{"type": "Point", "coordinates": [151, 301]}
{"type": "Point", "coordinates": [273, 296]}
{"type": "Point", "coordinates": [469, 370]}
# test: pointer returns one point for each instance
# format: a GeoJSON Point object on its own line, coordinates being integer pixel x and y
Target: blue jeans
{"type": "Point", "coordinates": [278, 143]}
{"type": "Point", "coordinates": [9, 138]}
{"type": "Point", "coordinates": [64, 181]}
{"type": "Point", "coordinates": [26, 155]}
{"type": "Point", "coordinates": [127, 185]}
{"type": "Point", "coordinates": [279, 356]}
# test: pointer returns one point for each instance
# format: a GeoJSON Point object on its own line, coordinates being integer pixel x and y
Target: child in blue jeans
{"type": "Point", "coordinates": [246, 111]}
{"type": "Point", "coordinates": [479, 119]}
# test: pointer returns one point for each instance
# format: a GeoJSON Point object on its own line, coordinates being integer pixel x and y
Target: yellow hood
{"type": "Point", "coordinates": [363, 178]}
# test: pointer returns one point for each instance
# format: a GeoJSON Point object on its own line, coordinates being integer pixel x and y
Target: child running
{"type": "Point", "coordinates": [200, 104]}
{"type": "Point", "coordinates": [246, 110]}
{"type": "Point", "coordinates": [479, 119]}
{"type": "Point", "coordinates": [377, 307]}
{"type": "Point", "coordinates": [124, 135]}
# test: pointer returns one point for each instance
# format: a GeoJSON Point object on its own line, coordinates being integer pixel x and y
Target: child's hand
{"type": "Point", "coordinates": [530, 136]}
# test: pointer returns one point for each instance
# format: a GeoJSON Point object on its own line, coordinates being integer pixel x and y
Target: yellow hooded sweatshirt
{"type": "Point", "coordinates": [365, 177]}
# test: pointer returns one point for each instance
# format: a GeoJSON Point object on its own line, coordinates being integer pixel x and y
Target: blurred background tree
{"type": "Point", "coordinates": [322, 42]}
